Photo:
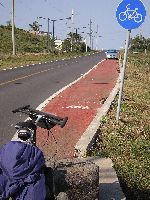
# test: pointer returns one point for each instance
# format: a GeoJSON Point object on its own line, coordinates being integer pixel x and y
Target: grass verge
{"type": "Point", "coordinates": [128, 142]}
{"type": "Point", "coordinates": [8, 61]}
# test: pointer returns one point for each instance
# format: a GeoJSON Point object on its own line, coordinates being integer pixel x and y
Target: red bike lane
{"type": "Point", "coordinates": [79, 103]}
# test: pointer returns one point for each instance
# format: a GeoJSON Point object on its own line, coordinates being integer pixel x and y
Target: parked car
{"type": "Point", "coordinates": [111, 54]}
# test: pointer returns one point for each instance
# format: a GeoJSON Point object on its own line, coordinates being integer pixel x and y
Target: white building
{"type": "Point", "coordinates": [58, 44]}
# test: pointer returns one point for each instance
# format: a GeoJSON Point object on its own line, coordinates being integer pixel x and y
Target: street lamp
{"type": "Point", "coordinates": [53, 42]}
{"type": "Point", "coordinates": [13, 29]}
{"type": "Point", "coordinates": [48, 20]}
{"type": "Point", "coordinates": [53, 20]}
{"type": "Point", "coordinates": [53, 32]}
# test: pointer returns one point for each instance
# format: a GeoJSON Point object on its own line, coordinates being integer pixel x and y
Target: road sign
{"type": "Point", "coordinates": [131, 14]}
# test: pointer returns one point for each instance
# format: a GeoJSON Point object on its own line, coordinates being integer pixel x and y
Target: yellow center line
{"type": "Point", "coordinates": [23, 77]}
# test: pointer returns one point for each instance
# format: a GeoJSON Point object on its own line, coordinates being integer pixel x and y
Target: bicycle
{"type": "Point", "coordinates": [130, 14]}
{"type": "Point", "coordinates": [27, 158]}
{"type": "Point", "coordinates": [27, 130]}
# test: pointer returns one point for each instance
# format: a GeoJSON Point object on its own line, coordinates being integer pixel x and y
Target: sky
{"type": "Point", "coordinates": [101, 12]}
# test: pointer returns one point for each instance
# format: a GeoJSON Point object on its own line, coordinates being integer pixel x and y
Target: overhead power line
{"type": "Point", "coordinates": [2, 5]}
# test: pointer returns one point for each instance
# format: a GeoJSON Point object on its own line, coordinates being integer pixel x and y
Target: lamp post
{"type": "Point", "coordinates": [53, 42]}
{"type": "Point", "coordinates": [48, 46]}
{"type": "Point", "coordinates": [72, 24]}
{"type": "Point", "coordinates": [48, 20]}
{"type": "Point", "coordinates": [54, 20]}
{"type": "Point", "coordinates": [90, 34]}
{"type": "Point", "coordinates": [13, 29]}
{"type": "Point", "coordinates": [53, 32]}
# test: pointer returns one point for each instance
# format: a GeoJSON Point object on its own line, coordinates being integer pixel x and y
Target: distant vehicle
{"type": "Point", "coordinates": [111, 54]}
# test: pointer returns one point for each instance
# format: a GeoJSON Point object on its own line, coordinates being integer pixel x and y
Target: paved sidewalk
{"type": "Point", "coordinates": [80, 103]}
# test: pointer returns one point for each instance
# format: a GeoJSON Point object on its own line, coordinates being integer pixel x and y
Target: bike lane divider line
{"type": "Point", "coordinates": [80, 103]}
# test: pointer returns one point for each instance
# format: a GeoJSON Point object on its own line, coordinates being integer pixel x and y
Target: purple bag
{"type": "Point", "coordinates": [21, 172]}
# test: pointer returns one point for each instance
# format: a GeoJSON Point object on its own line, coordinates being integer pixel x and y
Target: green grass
{"type": "Point", "coordinates": [7, 60]}
{"type": "Point", "coordinates": [128, 142]}
{"type": "Point", "coordinates": [24, 40]}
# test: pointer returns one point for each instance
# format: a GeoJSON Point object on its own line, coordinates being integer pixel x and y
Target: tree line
{"type": "Point", "coordinates": [34, 42]}
{"type": "Point", "coordinates": [140, 43]}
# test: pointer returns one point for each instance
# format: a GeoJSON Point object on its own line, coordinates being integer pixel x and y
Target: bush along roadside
{"type": "Point", "coordinates": [128, 142]}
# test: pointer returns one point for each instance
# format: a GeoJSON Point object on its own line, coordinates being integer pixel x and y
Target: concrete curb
{"type": "Point", "coordinates": [90, 134]}
{"type": "Point", "coordinates": [109, 187]}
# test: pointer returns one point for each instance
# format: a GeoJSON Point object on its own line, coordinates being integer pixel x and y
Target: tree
{"type": "Point", "coordinates": [77, 44]}
{"type": "Point", "coordinates": [66, 46]}
{"type": "Point", "coordinates": [139, 43]}
{"type": "Point", "coordinates": [35, 26]}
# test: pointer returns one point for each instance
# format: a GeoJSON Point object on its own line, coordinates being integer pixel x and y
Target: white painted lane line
{"type": "Point", "coordinates": [78, 107]}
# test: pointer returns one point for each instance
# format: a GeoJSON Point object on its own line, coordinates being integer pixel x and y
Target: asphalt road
{"type": "Point", "coordinates": [33, 84]}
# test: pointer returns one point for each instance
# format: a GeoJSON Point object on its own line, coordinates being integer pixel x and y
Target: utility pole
{"type": "Point", "coordinates": [48, 20]}
{"type": "Point", "coordinates": [92, 41]}
{"type": "Point", "coordinates": [72, 23]}
{"type": "Point", "coordinates": [53, 20]}
{"type": "Point", "coordinates": [90, 33]}
{"type": "Point", "coordinates": [97, 38]}
{"type": "Point", "coordinates": [76, 34]}
{"type": "Point", "coordinates": [13, 29]}
{"type": "Point", "coordinates": [48, 35]}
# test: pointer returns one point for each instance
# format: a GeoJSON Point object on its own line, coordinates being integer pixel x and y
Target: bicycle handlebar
{"type": "Point", "coordinates": [21, 108]}
{"type": "Point", "coordinates": [46, 118]}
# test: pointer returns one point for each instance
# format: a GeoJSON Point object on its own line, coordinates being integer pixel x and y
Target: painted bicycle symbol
{"type": "Point", "coordinates": [130, 14]}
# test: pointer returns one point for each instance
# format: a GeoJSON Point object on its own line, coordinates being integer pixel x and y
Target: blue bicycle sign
{"type": "Point", "coordinates": [131, 14]}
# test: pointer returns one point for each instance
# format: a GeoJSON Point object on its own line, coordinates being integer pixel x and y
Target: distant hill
{"type": "Point", "coordinates": [25, 41]}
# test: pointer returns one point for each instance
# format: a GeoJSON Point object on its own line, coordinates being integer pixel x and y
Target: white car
{"type": "Point", "coordinates": [111, 54]}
